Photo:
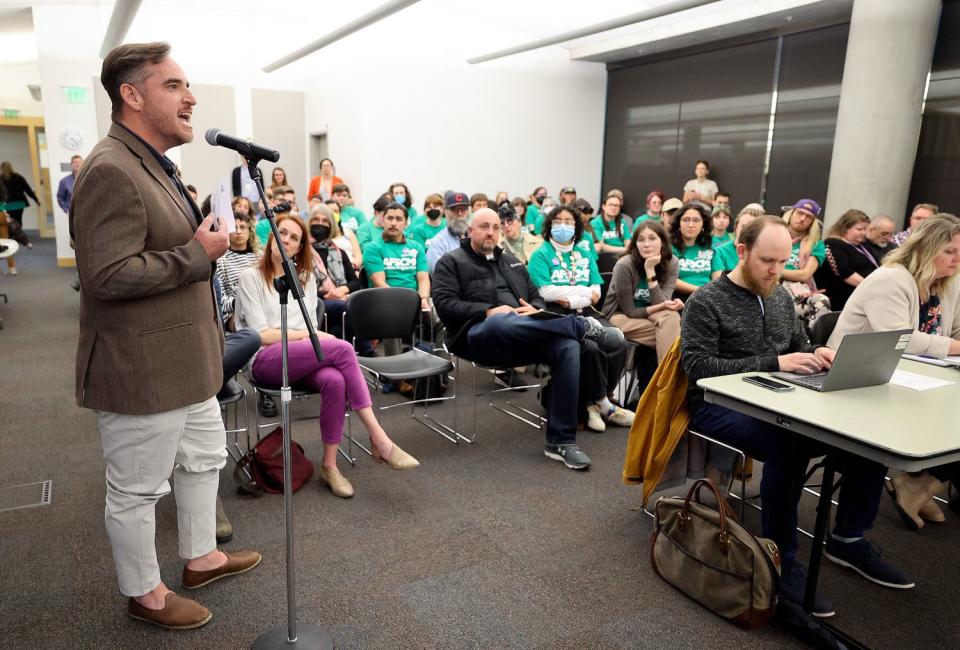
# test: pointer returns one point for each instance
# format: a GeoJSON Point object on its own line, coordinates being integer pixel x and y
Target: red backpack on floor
{"type": "Point", "coordinates": [265, 461]}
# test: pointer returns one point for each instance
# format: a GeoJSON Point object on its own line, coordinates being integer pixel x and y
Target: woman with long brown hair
{"type": "Point", "coordinates": [640, 300]}
{"type": "Point", "coordinates": [337, 378]}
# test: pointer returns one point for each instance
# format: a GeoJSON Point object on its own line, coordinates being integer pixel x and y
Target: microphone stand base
{"type": "Point", "coordinates": [308, 637]}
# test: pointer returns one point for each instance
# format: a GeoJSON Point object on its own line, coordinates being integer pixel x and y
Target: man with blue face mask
{"type": "Point", "coordinates": [492, 312]}
{"type": "Point", "coordinates": [457, 208]}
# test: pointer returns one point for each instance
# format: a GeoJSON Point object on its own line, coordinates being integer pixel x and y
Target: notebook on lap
{"type": "Point", "coordinates": [861, 360]}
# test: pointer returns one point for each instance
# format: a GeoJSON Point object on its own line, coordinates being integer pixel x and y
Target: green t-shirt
{"type": "Point", "coordinates": [725, 256]}
{"type": "Point", "coordinates": [818, 251]}
{"type": "Point", "coordinates": [721, 240]}
{"type": "Point", "coordinates": [262, 229]}
{"type": "Point", "coordinates": [587, 247]}
{"type": "Point", "coordinates": [533, 220]}
{"type": "Point", "coordinates": [413, 220]}
{"type": "Point", "coordinates": [352, 218]}
{"type": "Point", "coordinates": [399, 261]}
{"type": "Point", "coordinates": [641, 294]}
{"type": "Point", "coordinates": [696, 264]}
{"type": "Point", "coordinates": [607, 231]}
{"type": "Point", "coordinates": [424, 232]}
{"type": "Point", "coordinates": [369, 232]}
{"type": "Point", "coordinates": [548, 267]}
{"type": "Point", "coordinates": [645, 217]}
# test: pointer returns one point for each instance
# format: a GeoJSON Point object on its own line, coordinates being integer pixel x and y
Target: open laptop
{"type": "Point", "coordinates": [861, 360]}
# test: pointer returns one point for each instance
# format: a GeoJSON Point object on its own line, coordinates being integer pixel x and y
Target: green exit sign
{"type": "Point", "coordinates": [11, 112]}
{"type": "Point", "coordinates": [75, 94]}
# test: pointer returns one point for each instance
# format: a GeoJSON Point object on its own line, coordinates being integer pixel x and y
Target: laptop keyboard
{"type": "Point", "coordinates": [814, 381]}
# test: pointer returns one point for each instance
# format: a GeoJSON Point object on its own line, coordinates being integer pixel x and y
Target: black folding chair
{"type": "Point", "coordinates": [393, 313]}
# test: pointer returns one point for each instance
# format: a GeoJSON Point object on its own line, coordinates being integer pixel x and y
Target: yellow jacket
{"type": "Point", "coordinates": [660, 424]}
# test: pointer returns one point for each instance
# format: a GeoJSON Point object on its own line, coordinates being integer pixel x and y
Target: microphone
{"type": "Point", "coordinates": [249, 150]}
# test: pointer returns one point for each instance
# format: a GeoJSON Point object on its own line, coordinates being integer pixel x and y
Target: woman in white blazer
{"type": "Point", "coordinates": [916, 288]}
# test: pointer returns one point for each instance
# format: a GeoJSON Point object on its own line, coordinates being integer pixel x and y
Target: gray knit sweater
{"type": "Point", "coordinates": [725, 331]}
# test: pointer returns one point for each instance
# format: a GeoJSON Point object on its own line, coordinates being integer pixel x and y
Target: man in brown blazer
{"type": "Point", "coordinates": [150, 352]}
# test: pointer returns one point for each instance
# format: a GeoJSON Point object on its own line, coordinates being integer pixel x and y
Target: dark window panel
{"type": "Point", "coordinates": [937, 166]}
{"type": "Point", "coordinates": [808, 98]}
{"type": "Point", "coordinates": [725, 117]}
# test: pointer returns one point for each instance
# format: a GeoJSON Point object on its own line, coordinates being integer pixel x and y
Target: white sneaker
{"type": "Point", "coordinates": [594, 421]}
{"type": "Point", "coordinates": [620, 417]}
{"type": "Point", "coordinates": [14, 271]}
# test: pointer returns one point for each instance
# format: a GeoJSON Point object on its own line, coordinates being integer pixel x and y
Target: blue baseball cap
{"type": "Point", "coordinates": [809, 205]}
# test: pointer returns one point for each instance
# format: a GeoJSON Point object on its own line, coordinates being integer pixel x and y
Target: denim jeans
{"type": "Point", "coordinates": [508, 340]}
{"type": "Point", "coordinates": [238, 348]}
{"type": "Point", "coordinates": [785, 457]}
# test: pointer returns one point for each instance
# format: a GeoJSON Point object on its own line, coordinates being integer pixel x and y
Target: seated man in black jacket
{"type": "Point", "coordinates": [485, 298]}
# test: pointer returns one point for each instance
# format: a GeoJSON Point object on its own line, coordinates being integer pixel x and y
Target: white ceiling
{"type": "Point", "coordinates": [244, 35]}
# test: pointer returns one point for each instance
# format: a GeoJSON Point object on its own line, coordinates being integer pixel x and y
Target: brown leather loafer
{"type": "Point", "coordinates": [239, 562]}
{"type": "Point", "coordinates": [178, 613]}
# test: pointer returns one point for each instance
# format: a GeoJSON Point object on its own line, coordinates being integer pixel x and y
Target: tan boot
{"type": "Point", "coordinates": [224, 527]}
{"type": "Point", "coordinates": [910, 494]}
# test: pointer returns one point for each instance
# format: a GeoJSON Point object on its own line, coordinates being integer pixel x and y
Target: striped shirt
{"type": "Point", "coordinates": [229, 268]}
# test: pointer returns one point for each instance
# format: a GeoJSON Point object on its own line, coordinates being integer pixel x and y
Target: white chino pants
{"type": "Point", "coordinates": [140, 452]}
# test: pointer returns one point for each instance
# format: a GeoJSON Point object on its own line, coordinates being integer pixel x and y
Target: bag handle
{"type": "Point", "coordinates": [723, 508]}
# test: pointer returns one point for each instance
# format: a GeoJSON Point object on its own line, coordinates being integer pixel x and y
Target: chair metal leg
{"type": "Point", "coordinates": [515, 411]}
{"type": "Point", "coordinates": [233, 449]}
{"type": "Point", "coordinates": [348, 434]}
{"type": "Point", "coordinates": [743, 462]}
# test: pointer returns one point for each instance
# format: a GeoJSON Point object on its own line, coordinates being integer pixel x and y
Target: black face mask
{"type": "Point", "coordinates": [433, 213]}
{"type": "Point", "coordinates": [319, 232]}
{"type": "Point", "coordinates": [539, 199]}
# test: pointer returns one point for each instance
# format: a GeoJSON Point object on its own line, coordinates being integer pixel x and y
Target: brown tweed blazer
{"type": "Point", "coordinates": [150, 337]}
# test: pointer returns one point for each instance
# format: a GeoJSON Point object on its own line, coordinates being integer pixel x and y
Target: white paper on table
{"type": "Point", "coordinates": [220, 204]}
{"type": "Point", "coordinates": [915, 381]}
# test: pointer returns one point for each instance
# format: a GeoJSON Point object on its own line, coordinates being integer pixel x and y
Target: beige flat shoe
{"type": "Point", "coordinates": [337, 482]}
{"type": "Point", "coordinates": [399, 459]}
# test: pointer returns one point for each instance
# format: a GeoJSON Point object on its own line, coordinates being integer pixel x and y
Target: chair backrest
{"type": "Point", "coordinates": [823, 327]}
{"type": "Point", "coordinates": [606, 276]}
{"type": "Point", "coordinates": [383, 313]}
{"type": "Point", "coordinates": [606, 261]}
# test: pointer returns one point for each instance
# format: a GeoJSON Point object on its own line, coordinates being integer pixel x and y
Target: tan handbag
{"type": "Point", "coordinates": [710, 557]}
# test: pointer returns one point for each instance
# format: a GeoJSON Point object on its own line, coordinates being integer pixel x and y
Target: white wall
{"type": "Point", "coordinates": [65, 61]}
{"type": "Point", "coordinates": [13, 90]}
{"type": "Point", "coordinates": [483, 128]}
{"type": "Point", "coordinates": [426, 117]}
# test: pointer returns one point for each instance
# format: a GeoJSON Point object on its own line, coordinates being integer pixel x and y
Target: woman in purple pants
{"type": "Point", "coordinates": [337, 378]}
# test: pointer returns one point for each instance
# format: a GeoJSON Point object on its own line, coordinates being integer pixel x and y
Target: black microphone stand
{"type": "Point", "coordinates": [306, 636]}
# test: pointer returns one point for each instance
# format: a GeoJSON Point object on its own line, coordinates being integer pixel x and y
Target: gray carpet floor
{"type": "Point", "coordinates": [489, 545]}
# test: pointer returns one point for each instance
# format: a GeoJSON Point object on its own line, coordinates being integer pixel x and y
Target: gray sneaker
{"type": "Point", "coordinates": [608, 338]}
{"type": "Point", "coordinates": [570, 455]}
